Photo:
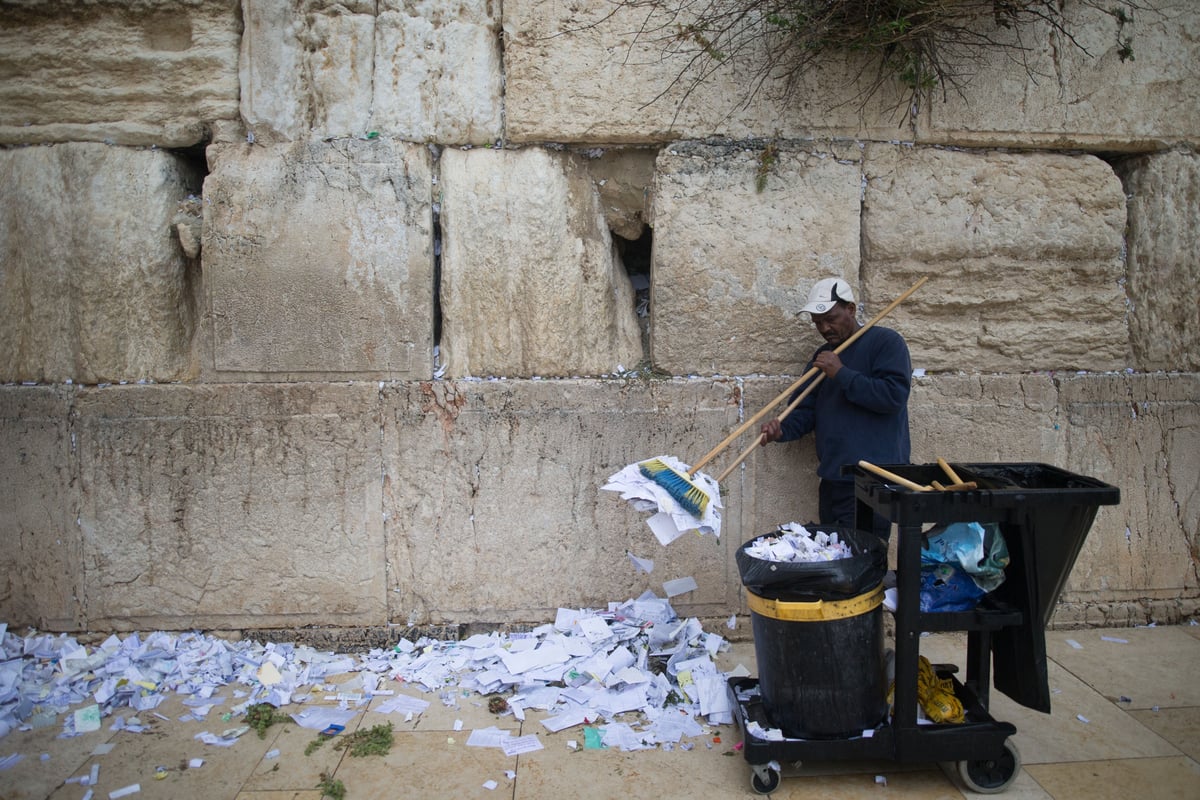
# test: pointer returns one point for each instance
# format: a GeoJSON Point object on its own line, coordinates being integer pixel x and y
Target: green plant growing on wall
{"type": "Point", "coordinates": [921, 46]}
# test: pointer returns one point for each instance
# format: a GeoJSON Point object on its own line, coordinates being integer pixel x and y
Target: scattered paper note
{"type": "Point", "coordinates": [642, 564]}
{"type": "Point", "coordinates": [679, 586]}
{"type": "Point", "coordinates": [515, 745]}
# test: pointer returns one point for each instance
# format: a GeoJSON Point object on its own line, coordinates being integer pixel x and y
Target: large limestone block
{"type": "Point", "coordinates": [41, 570]}
{"type": "Point", "coordinates": [1024, 253]}
{"type": "Point", "coordinates": [1057, 94]}
{"type": "Point", "coordinates": [94, 286]}
{"type": "Point", "coordinates": [306, 68]}
{"type": "Point", "coordinates": [612, 73]}
{"type": "Point", "coordinates": [1140, 433]}
{"type": "Point", "coordinates": [733, 265]}
{"type": "Point", "coordinates": [319, 259]}
{"type": "Point", "coordinates": [987, 419]}
{"type": "Point", "coordinates": [531, 284]}
{"type": "Point", "coordinates": [624, 177]}
{"type": "Point", "coordinates": [493, 501]}
{"type": "Point", "coordinates": [439, 75]}
{"type": "Point", "coordinates": [1164, 260]}
{"type": "Point", "coordinates": [134, 72]}
{"type": "Point", "coordinates": [230, 506]}
{"type": "Point", "coordinates": [426, 71]}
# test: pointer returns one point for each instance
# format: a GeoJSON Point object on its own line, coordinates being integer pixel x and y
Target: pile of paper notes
{"type": "Point", "coordinates": [793, 542]}
{"type": "Point", "coordinates": [586, 666]}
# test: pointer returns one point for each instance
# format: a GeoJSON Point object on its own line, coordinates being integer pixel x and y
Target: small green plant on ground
{"type": "Point", "coordinates": [261, 716]}
{"type": "Point", "coordinates": [332, 787]}
{"type": "Point", "coordinates": [375, 741]}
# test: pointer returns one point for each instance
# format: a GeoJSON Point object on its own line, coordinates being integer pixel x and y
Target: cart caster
{"type": "Point", "coordinates": [764, 779]}
{"type": "Point", "coordinates": [991, 775]}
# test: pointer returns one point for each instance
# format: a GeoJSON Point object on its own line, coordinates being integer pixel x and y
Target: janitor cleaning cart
{"type": "Point", "coordinates": [821, 695]}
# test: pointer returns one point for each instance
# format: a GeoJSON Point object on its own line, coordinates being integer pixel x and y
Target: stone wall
{"type": "Point", "coordinates": [338, 314]}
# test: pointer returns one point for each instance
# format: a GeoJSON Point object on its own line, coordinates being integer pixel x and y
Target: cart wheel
{"type": "Point", "coordinates": [991, 775]}
{"type": "Point", "coordinates": [764, 780]}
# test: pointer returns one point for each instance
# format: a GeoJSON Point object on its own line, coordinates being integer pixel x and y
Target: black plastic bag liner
{"type": "Point", "coordinates": [840, 579]}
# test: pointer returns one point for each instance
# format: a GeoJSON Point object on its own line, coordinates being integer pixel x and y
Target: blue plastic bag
{"type": "Point", "coordinates": [945, 587]}
{"type": "Point", "coordinates": [960, 563]}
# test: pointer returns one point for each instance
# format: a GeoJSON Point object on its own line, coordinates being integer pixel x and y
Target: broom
{"type": "Point", "coordinates": [815, 374]}
{"type": "Point", "coordinates": [680, 486]}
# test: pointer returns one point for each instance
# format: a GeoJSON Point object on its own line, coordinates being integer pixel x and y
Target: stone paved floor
{"type": "Point", "coordinates": [1140, 698]}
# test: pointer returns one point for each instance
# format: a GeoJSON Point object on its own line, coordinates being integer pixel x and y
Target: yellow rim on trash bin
{"type": "Point", "coordinates": [817, 610]}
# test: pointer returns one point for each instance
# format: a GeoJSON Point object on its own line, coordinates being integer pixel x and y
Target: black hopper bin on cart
{"type": "Point", "coordinates": [1044, 514]}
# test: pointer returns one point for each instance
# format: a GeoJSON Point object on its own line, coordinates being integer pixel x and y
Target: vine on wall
{"type": "Point", "coordinates": [923, 46]}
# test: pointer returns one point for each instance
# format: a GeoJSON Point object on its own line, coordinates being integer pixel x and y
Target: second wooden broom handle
{"type": "Point", "coordinates": [791, 407]}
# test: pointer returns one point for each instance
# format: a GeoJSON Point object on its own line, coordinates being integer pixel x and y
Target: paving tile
{"type": "Point", "coordinates": [1179, 726]}
{"type": "Point", "coordinates": [1108, 733]}
{"type": "Point", "coordinates": [293, 769]}
{"type": "Point", "coordinates": [427, 764]}
{"type": "Point", "coordinates": [1149, 666]}
{"type": "Point", "coordinates": [171, 745]}
{"type": "Point", "coordinates": [558, 771]}
{"type": "Point", "coordinates": [1118, 779]}
{"type": "Point", "coordinates": [32, 777]}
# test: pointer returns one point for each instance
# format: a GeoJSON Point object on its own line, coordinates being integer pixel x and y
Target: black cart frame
{"type": "Point", "coordinates": [1044, 514]}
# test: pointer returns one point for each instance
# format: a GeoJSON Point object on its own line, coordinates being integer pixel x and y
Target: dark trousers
{"type": "Point", "coordinates": [837, 507]}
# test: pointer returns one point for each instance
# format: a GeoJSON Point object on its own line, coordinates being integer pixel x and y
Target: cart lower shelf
{"type": "Point", "coordinates": [985, 758]}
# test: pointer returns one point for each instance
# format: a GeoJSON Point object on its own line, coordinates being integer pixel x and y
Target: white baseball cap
{"type": "Point", "coordinates": [825, 294]}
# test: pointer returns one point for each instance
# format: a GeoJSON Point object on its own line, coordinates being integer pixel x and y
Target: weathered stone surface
{"type": "Point", "coordinates": [531, 285]}
{"type": "Point", "coordinates": [582, 72]}
{"type": "Point", "coordinates": [733, 265]}
{"type": "Point", "coordinates": [455, 502]}
{"type": "Point", "coordinates": [1068, 98]}
{"type": "Point", "coordinates": [424, 71]}
{"type": "Point", "coordinates": [306, 68]}
{"type": "Point", "coordinates": [623, 178]}
{"type": "Point", "coordinates": [1140, 433]}
{"type": "Point", "coordinates": [134, 72]}
{"type": "Point", "coordinates": [1164, 260]}
{"type": "Point", "coordinates": [438, 71]}
{"type": "Point", "coordinates": [319, 259]}
{"type": "Point", "coordinates": [230, 506]}
{"type": "Point", "coordinates": [994, 418]}
{"type": "Point", "coordinates": [41, 571]}
{"type": "Point", "coordinates": [493, 501]}
{"type": "Point", "coordinates": [1024, 254]}
{"type": "Point", "coordinates": [93, 284]}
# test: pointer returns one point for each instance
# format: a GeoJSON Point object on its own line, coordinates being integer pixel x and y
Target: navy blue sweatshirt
{"type": "Point", "coordinates": [862, 413]}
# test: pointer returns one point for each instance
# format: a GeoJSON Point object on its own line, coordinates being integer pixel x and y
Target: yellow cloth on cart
{"type": "Point", "coordinates": [936, 695]}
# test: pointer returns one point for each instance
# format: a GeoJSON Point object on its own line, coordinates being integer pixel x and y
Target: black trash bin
{"type": "Point", "coordinates": [818, 638]}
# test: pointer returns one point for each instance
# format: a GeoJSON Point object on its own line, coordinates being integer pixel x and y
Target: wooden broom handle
{"type": "Point", "coordinates": [946, 468]}
{"type": "Point", "coordinates": [893, 477]}
{"type": "Point", "coordinates": [814, 372]}
{"type": "Point", "coordinates": [792, 407]}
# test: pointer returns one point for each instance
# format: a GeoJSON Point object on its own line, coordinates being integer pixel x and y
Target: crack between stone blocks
{"type": "Point", "coordinates": [503, 75]}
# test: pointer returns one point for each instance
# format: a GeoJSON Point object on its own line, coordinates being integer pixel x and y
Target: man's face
{"type": "Point", "coordinates": [836, 324]}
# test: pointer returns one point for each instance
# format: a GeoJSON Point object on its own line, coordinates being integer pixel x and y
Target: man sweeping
{"type": "Point", "coordinates": [859, 411]}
